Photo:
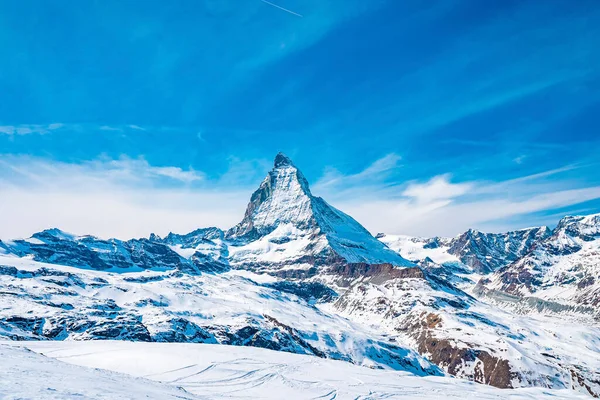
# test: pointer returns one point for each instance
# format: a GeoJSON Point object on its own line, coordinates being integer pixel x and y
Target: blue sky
{"type": "Point", "coordinates": [123, 117]}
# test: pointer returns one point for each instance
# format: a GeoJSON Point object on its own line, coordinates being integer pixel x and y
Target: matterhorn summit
{"type": "Point", "coordinates": [282, 198]}
{"type": "Point", "coordinates": [285, 224]}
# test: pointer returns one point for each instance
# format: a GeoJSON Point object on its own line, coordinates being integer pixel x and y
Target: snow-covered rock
{"type": "Point", "coordinates": [57, 247]}
{"type": "Point", "coordinates": [285, 227]}
{"type": "Point", "coordinates": [482, 252]}
{"type": "Point", "coordinates": [472, 339]}
{"type": "Point", "coordinates": [565, 267]}
{"type": "Point", "coordinates": [50, 302]}
{"type": "Point", "coordinates": [204, 247]}
{"type": "Point", "coordinates": [486, 252]}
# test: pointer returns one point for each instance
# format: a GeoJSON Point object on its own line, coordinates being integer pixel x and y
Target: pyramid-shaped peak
{"type": "Point", "coordinates": [284, 223]}
{"type": "Point", "coordinates": [281, 160]}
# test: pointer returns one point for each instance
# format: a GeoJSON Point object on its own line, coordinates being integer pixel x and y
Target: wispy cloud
{"type": "Point", "coordinates": [441, 206]}
{"type": "Point", "coordinates": [27, 129]}
{"type": "Point", "coordinates": [374, 173]}
{"type": "Point", "coordinates": [75, 127]}
{"type": "Point", "coordinates": [124, 170]}
{"type": "Point", "coordinates": [437, 188]}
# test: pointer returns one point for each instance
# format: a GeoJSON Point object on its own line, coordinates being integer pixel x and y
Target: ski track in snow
{"type": "Point", "coordinates": [134, 370]}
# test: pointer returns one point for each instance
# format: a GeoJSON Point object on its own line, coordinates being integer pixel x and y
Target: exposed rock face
{"type": "Point", "coordinates": [375, 273]}
{"type": "Point", "coordinates": [486, 252]}
{"type": "Point", "coordinates": [486, 368]}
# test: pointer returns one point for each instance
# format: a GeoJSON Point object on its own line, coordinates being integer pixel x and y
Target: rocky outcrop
{"type": "Point", "coordinates": [484, 367]}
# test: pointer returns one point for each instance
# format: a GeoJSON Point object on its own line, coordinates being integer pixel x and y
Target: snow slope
{"type": "Point", "coordinates": [212, 371]}
{"type": "Point", "coordinates": [28, 375]}
{"type": "Point", "coordinates": [476, 340]}
{"type": "Point", "coordinates": [43, 301]}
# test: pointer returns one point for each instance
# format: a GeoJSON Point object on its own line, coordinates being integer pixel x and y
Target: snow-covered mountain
{"type": "Point", "coordinates": [565, 267]}
{"type": "Point", "coordinates": [288, 231]}
{"type": "Point", "coordinates": [51, 302]}
{"type": "Point", "coordinates": [543, 277]}
{"type": "Point", "coordinates": [205, 248]}
{"type": "Point", "coordinates": [510, 310]}
{"type": "Point", "coordinates": [112, 255]}
{"type": "Point", "coordinates": [472, 339]}
{"type": "Point", "coordinates": [482, 252]}
{"type": "Point", "coordinates": [285, 231]}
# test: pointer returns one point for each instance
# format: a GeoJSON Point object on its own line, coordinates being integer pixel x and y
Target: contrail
{"type": "Point", "coordinates": [281, 8]}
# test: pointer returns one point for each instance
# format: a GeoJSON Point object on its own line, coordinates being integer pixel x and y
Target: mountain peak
{"type": "Point", "coordinates": [281, 160]}
{"type": "Point", "coordinates": [285, 222]}
{"type": "Point", "coordinates": [54, 233]}
{"type": "Point", "coordinates": [283, 197]}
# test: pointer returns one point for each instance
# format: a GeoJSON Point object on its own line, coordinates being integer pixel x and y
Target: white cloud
{"type": "Point", "coordinates": [438, 187]}
{"type": "Point", "coordinates": [111, 198]}
{"type": "Point", "coordinates": [110, 128]}
{"type": "Point", "coordinates": [124, 170]}
{"type": "Point", "coordinates": [441, 207]}
{"type": "Point", "coordinates": [374, 174]}
{"type": "Point", "coordinates": [27, 129]}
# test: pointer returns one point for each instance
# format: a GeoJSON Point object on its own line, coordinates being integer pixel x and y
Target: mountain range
{"type": "Point", "coordinates": [514, 309]}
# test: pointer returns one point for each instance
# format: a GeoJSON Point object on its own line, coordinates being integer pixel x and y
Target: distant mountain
{"type": "Point", "coordinates": [205, 248]}
{"type": "Point", "coordinates": [486, 252]}
{"type": "Point", "coordinates": [563, 267]}
{"type": "Point", "coordinates": [482, 252]}
{"type": "Point", "coordinates": [113, 255]}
